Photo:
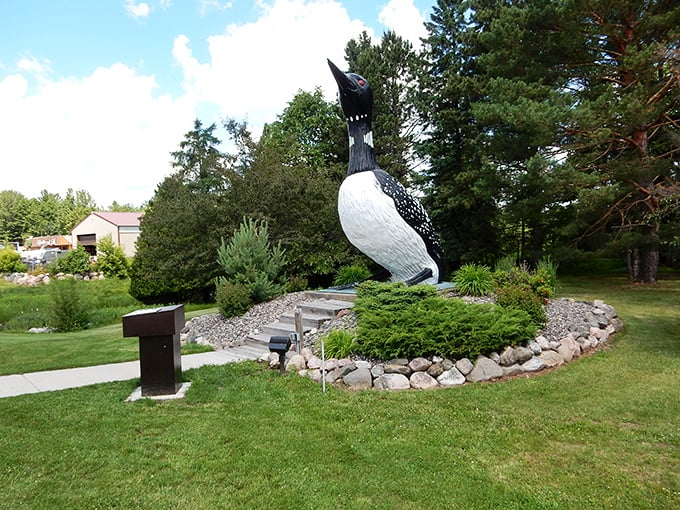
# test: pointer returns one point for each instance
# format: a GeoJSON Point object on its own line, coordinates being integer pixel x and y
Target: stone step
{"type": "Point", "coordinates": [335, 295]}
{"type": "Point", "coordinates": [311, 320]}
{"type": "Point", "coordinates": [327, 307]}
{"type": "Point", "coordinates": [279, 328]}
{"type": "Point", "coordinates": [258, 340]}
{"type": "Point", "coordinates": [313, 314]}
{"type": "Point", "coordinates": [249, 350]}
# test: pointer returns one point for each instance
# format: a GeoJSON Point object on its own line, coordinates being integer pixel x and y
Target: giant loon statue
{"type": "Point", "coordinates": [376, 212]}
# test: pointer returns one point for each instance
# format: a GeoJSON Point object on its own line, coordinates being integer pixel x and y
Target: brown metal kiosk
{"type": "Point", "coordinates": [160, 360]}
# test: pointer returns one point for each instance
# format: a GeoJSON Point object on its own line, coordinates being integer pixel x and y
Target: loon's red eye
{"type": "Point", "coordinates": [361, 82]}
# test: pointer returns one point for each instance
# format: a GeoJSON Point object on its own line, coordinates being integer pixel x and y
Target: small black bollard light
{"type": "Point", "coordinates": [280, 344]}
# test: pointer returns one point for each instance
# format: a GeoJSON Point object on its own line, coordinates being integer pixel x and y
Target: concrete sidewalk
{"type": "Point", "coordinates": [53, 380]}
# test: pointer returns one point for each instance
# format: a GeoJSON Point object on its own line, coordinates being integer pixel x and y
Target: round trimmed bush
{"type": "Point", "coordinates": [522, 297]}
{"type": "Point", "coordinates": [233, 299]}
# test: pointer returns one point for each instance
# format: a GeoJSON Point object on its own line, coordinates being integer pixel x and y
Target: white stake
{"type": "Point", "coordinates": [323, 366]}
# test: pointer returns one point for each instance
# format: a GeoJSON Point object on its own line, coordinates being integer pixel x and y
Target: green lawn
{"type": "Point", "coordinates": [600, 432]}
{"type": "Point", "coordinates": [32, 352]}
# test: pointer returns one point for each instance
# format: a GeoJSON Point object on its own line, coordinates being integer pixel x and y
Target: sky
{"type": "Point", "coordinates": [95, 95]}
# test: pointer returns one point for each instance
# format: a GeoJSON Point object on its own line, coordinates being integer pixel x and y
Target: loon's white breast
{"type": "Point", "coordinates": [372, 223]}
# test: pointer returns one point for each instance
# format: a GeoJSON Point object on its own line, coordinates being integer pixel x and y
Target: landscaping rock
{"type": "Point", "coordinates": [566, 353]}
{"type": "Point", "coordinates": [296, 362]}
{"type": "Point", "coordinates": [307, 353]}
{"type": "Point", "coordinates": [533, 365]}
{"type": "Point", "coordinates": [393, 368]}
{"type": "Point", "coordinates": [485, 369]}
{"type": "Point", "coordinates": [543, 343]}
{"type": "Point", "coordinates": [523, 354]}
{"type": "Point", "coordinates": [359, 379]}
{"type": "Point", "coordinates": [508, 357]}
{"type": "Point", "coordinates": [551, 358]}
{"type": "Point", "coordinates": [535, 348]}
{"type": "Point", "coordinates": [511, 370]}
{"type": "Point", "coordinates": [422, 381]}
{"type": "Point", "coordinates": [314, 362]}
{"type": "Point", "coordinates": [419, 364]}
{"type": "Point", "coordinates": [570, 343]}
{"type": "Point", "coordinates": [464, 366]}
{"type": "Point", "coordinates": [392, 382]}
{"type": "Point", "coordinates": [377, 371]}
{"type": "Point", "coordinates": [451, 377]}
{"type": "Point", "coordinates": [435, 370]}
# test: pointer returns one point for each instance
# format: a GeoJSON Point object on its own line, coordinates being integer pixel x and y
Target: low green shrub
{"type": "Point", "coordinates": [373, 295]}
{"type": "Point", "coordinates": [399, 321]}
{"type": "Point", "coordinates": [296, 283]}
{"type": "Point", "coordinates": [474, 280]}
{"type": "Point", "coordinates": [111, 259]}
{"type": "Point", "coordinates": [10, 261]}
{"type": "Point", "coordinates": [76, 261]}
{"type": "Point", "coordinates": [542, 281]}
{"type": "Point", "coordinates": [339, 343]}
{"type": "Point", "coordinates": [522, 297]}
{"type": "Point", "coordinates": [233, 299]}
{"type": "Point", "coordinates": [351, 274]}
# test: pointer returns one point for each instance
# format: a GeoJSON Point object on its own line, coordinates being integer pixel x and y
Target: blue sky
{"type": "Point", "coordinates": [94, 95]}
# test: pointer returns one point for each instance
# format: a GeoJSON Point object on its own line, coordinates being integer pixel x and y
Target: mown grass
{"type": "Point", "coordinates": [22, 352]}
{"type": "Point", "coordinates": [600, 432]}
{"type": "Point", "coordinates": [31, 352]}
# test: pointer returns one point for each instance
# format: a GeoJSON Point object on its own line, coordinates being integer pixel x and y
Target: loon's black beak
{"type": "Point", "coordinates": [344, 83]}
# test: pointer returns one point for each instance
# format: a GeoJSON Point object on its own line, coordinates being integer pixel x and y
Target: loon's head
{"type": "Point", "coordinates": [356, 97]}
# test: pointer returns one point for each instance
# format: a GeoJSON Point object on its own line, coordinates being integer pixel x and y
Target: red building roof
{"type": "Point", "coordinates": [121, 219]}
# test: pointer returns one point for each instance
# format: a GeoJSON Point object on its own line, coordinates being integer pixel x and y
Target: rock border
{"type": "Point", "coordinates": [540, 354]}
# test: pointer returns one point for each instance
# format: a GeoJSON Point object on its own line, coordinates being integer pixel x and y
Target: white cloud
{"type": "Point", "coordinates": [105, 133]}
{"type": "Point", "coordinates": [33, 65]}
{"type": "Point", "coordinates": [405, 19]}
{"type": "Point", "coordinates": [137, 10]}
{"type": "Point", "coordinates": [213, 5]}
{"type": "Point", "coordinates": [256, 68]}
{"type": "Point", "coordinates": [111, 132]}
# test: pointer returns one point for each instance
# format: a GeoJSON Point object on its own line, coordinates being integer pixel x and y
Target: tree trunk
{"type": "Point", "coordinates": [643, 260]}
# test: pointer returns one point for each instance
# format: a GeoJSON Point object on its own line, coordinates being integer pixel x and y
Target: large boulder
{"type": "Point", "coordinates": [485, 369]}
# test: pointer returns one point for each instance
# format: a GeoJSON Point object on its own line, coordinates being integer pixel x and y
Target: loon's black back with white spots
{"type": "Point", "coordinates": [414, 214]}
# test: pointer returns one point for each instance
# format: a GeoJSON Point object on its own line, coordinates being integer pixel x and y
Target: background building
{"type": "Point", "coordinates": [123, 227]}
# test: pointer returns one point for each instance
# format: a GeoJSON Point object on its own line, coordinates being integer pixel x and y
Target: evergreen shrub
{"type": "Point", "coordinates": [542, 281]}
{"type": "Point", "coordinates": [111, 259]}
{"type": "Point", "coordinates": [399, 321]}
{"type": "Point", "coordinates": [474, 280]}
{"type": "Point", "coordinates": [250, 260]}
{"type": "Point", "coordinates": [296, 283]}
{"type": "Point", "coordinates": [233, 299]}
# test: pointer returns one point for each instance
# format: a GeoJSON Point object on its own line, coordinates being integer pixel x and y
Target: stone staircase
{"type": "Point", "coordinates": [323, 306]}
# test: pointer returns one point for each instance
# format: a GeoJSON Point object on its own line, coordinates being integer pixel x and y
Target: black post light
{"type": "Point", "coordinates": [280, 344]}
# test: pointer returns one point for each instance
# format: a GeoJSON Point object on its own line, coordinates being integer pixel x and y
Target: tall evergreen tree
{"type": "Point", "coordinates": [536, 91]}
{"type": "Point", "coordinates": [625, 130]}
{"type": "Point", "coordinates": [461, 187]}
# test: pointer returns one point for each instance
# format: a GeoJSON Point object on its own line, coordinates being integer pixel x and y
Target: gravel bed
{"type": "Point", "coordinates": [222, 332]}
